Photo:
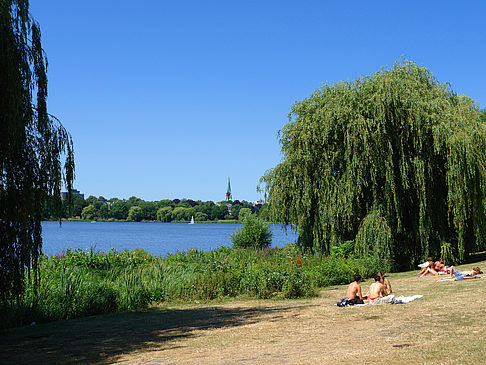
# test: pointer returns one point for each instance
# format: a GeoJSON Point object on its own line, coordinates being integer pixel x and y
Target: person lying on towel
{"type": "Point", "coordinates": [353, 294]}
{"type": "Point", "coordinates": [466, 274]}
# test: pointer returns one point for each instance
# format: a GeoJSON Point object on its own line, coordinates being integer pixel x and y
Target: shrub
{"type": "Point", "coordinates": [254, 233]}
{"type": "Point", "coordinates": [345, 249]}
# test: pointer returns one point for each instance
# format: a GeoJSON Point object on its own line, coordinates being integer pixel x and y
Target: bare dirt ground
{"type": "Point", "coordinates": [446, 326]}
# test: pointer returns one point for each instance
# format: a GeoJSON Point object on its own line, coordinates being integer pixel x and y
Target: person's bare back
{"type": "Point", "coordinates": [377, 289]}
{"type": "Point", "coordinates": [354, 290]}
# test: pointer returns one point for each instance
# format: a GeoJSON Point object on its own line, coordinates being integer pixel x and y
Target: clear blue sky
{"type": "Point", "coordinates": [166, 99]}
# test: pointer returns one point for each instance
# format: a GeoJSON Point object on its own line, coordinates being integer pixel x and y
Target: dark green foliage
{"type": "Point", "coordinates": [395, 160]}
{"type": "Point", "coordinates": [254, 233]}
{"type": "Point", "coordinates": [32, 143]}
{"type": "Point", "coordinates": [482, 116]}
{"type": "Point", "coordinates": [119, 210]}
{"type": "Point", "coordinates": [374, 237]}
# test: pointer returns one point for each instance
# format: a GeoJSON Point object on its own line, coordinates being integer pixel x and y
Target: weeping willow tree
{"type": "Point", "coordinates": [33, 147]}
{"type": "Point", "coordinates": [394, 161]}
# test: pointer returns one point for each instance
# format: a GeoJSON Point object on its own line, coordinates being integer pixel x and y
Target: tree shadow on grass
{"type": "Point", "coordinates": [476, 257]}
{"type": "Point", "coordinates": [102, 339]}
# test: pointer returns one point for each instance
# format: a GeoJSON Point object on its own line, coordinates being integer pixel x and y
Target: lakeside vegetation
{"type": "Point", "coordinates": [78, 283]}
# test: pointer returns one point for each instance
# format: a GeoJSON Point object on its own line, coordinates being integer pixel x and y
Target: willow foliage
{"type": "Point", "coordinates": [32, 147]}
{"type": "Point", "coordinates": [395, 155]}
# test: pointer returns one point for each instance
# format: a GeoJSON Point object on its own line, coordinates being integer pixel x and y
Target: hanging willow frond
{"type": "Point", "coordinates": [32, 145]}
{"type": "Point", "coordinates": [397, 142]}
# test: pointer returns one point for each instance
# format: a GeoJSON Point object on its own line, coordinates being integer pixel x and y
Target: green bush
{"type": "Point", "coordinates": [254, 233]}
{"type": "Point", "coordinates": [345, 249]}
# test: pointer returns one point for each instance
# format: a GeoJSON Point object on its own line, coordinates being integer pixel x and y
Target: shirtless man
{"type": "Point", "coordinates": [354, 291]}
{"type": "Point", "coordinates": [377, 289]}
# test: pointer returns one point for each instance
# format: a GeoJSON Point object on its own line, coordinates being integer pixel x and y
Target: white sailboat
{"type": "Point", "coordinates": [192, 220]}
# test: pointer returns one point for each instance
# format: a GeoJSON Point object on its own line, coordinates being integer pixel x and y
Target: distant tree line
{"type": "Point", "coordinates": [136, 210]}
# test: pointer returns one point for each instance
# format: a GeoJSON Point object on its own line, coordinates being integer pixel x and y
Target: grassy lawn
{"type": "Point", "coordinates": [446, 326]}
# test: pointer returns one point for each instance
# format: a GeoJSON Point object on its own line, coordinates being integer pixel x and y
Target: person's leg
{"type": "Point", "coordinates": [452, 270]}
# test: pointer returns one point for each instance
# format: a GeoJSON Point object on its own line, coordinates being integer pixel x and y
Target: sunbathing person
{"type": "Point", "coordinates": [464, 275]}
{"type": "Point", "coordinates": [429, 270]}
{"type": "Point", "coordinates": [439, 265]}
{"type": "Point", "coordinates": [377, 289]}
{"type": "Point", "coordinates": [353, 294]}
{"type": "Point", "coordinates": [385, 282]}
{"type": "Point", "coordinates": [426, 265]}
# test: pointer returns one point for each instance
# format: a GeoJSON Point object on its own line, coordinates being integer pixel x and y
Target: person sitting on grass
{"type": "Point", "coordinates": [377, 289]}
{"type": "Point", "coordinates": [430, 270]}
{"type": "Point", "coordinates": [385, 282]}
{"type": "Point", "coordinates": [458, 275]}
{"type": "Point", "coordinates": [427, 266]}
{"type": "Point", "coordinates": [353, 294]}
{"type": "Point", "coordinates": [439, 266]}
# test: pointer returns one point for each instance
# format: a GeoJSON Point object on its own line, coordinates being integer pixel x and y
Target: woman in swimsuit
{"type": "Point", "coordinates": [385, 282]}
{"type": "Point", "coordinates": [430, 265]}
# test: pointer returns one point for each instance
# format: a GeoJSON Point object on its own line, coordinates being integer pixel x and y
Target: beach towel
{"type": "Point", "coordinates": [403, 299]}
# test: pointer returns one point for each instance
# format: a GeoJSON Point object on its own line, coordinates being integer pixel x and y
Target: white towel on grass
{"type": "Point", "coordinates": [408, 299]}
{"type": "Point", "coordinates": [391, 299]}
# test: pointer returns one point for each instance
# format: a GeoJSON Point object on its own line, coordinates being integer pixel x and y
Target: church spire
{"type": "Point", "coordinates": [228, 191]}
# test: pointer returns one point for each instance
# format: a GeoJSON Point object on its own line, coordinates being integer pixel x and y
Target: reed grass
{"type": "Point", "coordinates": [79, 283]}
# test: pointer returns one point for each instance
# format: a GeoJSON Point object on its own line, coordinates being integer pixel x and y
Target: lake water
{"type": "Point", "coordinates": [158, 239]}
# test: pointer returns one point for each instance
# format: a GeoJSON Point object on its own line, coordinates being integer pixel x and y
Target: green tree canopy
{"type": "Point", "coordinates": [396, 151]}
{"type": "Point", "coordinates": [149, 210]}
{"type": "Point", "coordinates": [33, 146]}
{"type": "Point", "coordinates": [243, 213]}
{"type": "Point", "coordinates": [135, 214]}
{"type": "Point", "coordinates": [164, 214]}
{"type": "Point", "coordinates": [89, 213]}
{"type": "Point", "coordinates": [119, 210]}
{"type": "Point", "coordinates": [200, 217]}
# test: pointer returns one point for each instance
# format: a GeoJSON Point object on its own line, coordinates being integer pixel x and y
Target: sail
{"type": "Point", "coordinates": [192, 220]}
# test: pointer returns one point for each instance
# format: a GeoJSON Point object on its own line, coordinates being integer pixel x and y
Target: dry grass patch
{"type": "Point", "coordinates": [446, 326]}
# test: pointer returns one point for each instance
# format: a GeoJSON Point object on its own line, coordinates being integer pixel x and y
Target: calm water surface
{"type": "Point", "coordinates": [156, 238]}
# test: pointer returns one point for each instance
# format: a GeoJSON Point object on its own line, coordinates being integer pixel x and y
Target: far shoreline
{"type": "Point", "coordinates": [125, 221]}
